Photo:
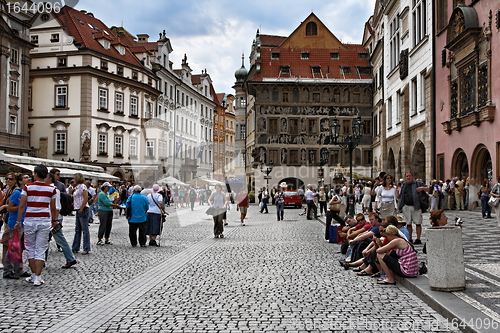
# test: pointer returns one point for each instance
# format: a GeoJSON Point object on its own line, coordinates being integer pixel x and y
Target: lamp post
{"type": "Point", "coordinates": [267, 171]}
{"type": "Point", "coordinates": [349, 142]}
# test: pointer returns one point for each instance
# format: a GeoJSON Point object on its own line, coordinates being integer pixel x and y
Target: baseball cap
{"type": "Point", "coordinates": [106, 184]}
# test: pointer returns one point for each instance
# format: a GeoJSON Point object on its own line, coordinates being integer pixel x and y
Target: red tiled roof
{"type": "Point", "coordinates": [369, 26]}
{"type": "Point", "coordinates": [220, 97]}
{"type": "Point", "coordinates": [195, 79]}
{"type": "Point", "coordinates": [77, 25]}
{"type": "Point", "coordinates": [271, 40]}
{"type": "Point", "coordinates": [300, 68]}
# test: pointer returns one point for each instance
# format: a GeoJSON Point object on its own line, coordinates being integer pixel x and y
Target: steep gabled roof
{"type": "Point", "coordinates": [270, 40]}
{"type": "Point", "coordinates": [87, 30]}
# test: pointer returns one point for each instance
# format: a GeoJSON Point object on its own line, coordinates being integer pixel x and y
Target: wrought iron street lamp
{"type": "Point", "coordinates": [267, 171]}
{"type": "Point", "coordinates": [349, 142]}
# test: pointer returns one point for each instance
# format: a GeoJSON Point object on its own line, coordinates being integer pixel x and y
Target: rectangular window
{"type": "Point", "coordinates": [150, 148]}
{"type": "Point", "coordinates": [364, 56]}
{"type": "Point", "coordinates": [275, 56]}
{"type": "Point", "coordinates": [274, 157]}
{"type": "Point", "coordinates": [294, 126]}
{"type": "Point", "coordinates": [133, 106]}
{"type": "Point", "coordinates": [62, 62]}
{"type": "Point", "coordinates": [312, 156]}
{"type": "Point", "coordinates": [414, 96]}
{"type": "Point", "coordinates": [367, 157]}
{"type": "Point", "coordinates": [284, 69]}
{"type": "Point", "coordinates": [135, 75]}
{"type": "Point", "coordinates": [118, 146]}
{"type": "Point", "coordinates": [243, 101]}
{"type": "Point", "coordinates": [103, 149]}
{"type": "Point", "coordinates": [345, 70]}
{"type": "Point", "coordinates": [367, 130]}
{"type": "Point", "coordinates": [346, 127]}
{"type": "Point", "coordinates": [147, 111]}
{"type": "Point", "coordinates": [294, 157]}
{"type": "Point", "coordinates": [422, 92]}
{"type": "Point", "coordinates": [34, 39]}
{"type": "Point", "coordinates": [312, 127]}
{"type": "Point", "coordinates": [13, 125]}
{"type": "Point", "coordinates": [104, 65]}
{"type": "Point", "coordinates": [13, 89]}
{"type": "Point", "coordinates": [316, 69]}
{"type": "Point", "coordinates": [316, 97]}
{"type": "Point", "coordinates": [119, 70]}
{"type": "Point", "coordinates": [394, 42]}
{"type": "Point", "coordinates": [103, 99]}
{"type": "Point", "coordinates": [119, 103]}
{"type": "Point", "coordinates": [375, 125]}
{"type": "Point", "coordinates": [182, 99]}
{"type": "Point", "coordinates": [242, 132]}
{"type": "Point", "coordinates": [398, 107]}
{"type": "Point", "coordinates": [389, 113]}
{"type": "Point", "coordinates": [61, 97]}
{"type": "Point", "coordinates": [60, 143]}
{"type": "Point", "coordinates": [273, 126]}
{"type": "Point", "coordinates": [334, 157]}
{"type": "Point", "coordinates": [133, 147]}
{"type": "Point", "coordinates": [304, 55]}
{"type": "Point", "coordinates": [334, 56]}
{"type": "Point", "coordinates": [14, 56]}
{"type": "Point", "coordinates": [285, 97]}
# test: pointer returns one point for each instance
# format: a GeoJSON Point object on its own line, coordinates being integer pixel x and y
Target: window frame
{"type": "Point", "coordinates": [103, 99]}
{"type": "Point", "coordinates": [150, 146]}
{"type": "Point", "coordinates": [57, 140]}
{"type": "Point", "coordinates": [57, 94]}
{"type": "Point", "coordinates": [119, 103]}
{"type": "Point", "coordinates": [102, 139]}
{"type": "Point", "coordinates": [118, 152]}
{"type": "Point", "coordinates": [134, 107]}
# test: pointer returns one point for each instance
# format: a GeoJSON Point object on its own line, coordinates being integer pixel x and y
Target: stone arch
{"type": "Point", "coordinates": [460, 164]}
{"type": "Point", "coordinates": [391, 163]}
{"type": "Point", "coordinates": [292, 183]}
{"type": "Point", "coordinates": [481, 165]}
{"type": "Point", "coordinates": [417, 161]}
{"type": "Point", "coordinates": [119, 173]}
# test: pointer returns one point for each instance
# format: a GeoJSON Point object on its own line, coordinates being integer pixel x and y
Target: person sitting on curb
{"type": "Point", "coordinates": [362, 227]}
{"type": "Point", "coordinates": [406, 264]}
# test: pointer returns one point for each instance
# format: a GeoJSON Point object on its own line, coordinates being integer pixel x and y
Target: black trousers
{"type": "Point", "coordinates": [329, 216]}
{"type": "Point", "coordinates": [311, 206]}
{"type": "Point", "coordinates": [132, 233]}
{"type": "Point", "coordinates": [105, 223]}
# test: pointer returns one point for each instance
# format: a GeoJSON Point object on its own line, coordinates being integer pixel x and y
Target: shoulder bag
{"type": "Point", "coordinates": [335, 206]}
{"type": "Point", "coordinates": [163, 213]}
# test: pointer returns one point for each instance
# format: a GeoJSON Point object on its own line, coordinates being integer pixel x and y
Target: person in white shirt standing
{"type": "Point", "coordinates": [265, 200]}
{"type": "Point", "coordinates": [310, 202]}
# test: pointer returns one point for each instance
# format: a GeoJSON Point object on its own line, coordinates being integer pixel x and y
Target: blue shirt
{"type": "Point", "coordinates": [140, 206]}
{"type": "Point", "coordinates": [375, 230]}
{"type": "Point", "coordinates": [15, 198]}
{"type": "Point", "coordinates": [405, 232]}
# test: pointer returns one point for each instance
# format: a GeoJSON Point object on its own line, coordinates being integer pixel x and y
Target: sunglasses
{"type": "Point", "coordinates": [360, 220]}
{"type": "Point", "coordinates": [9, 178]}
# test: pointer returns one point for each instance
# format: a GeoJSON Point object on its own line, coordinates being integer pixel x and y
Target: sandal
{"type": "Point", "coordinates": [376, 275]}
{"type": "Point", "coordinates": [386, 282]}
{"type": "Point", "coordinates": [363, 273]}
{"type": "Point", "coordinates": [357, 270]}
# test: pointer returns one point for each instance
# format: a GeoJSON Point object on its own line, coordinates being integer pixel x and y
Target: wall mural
{"type": "Point", "coordinates": [348, 111]}
{"type": "Point", "coordinates": [300, 139]}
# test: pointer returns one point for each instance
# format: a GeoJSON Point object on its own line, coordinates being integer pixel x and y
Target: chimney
{"type": "Point", "coordinates": [142, 38]}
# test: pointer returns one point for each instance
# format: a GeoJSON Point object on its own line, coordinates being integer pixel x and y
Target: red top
{"type": "Point", "coordinates": [38, 202]}
{"type": "Point", "coordinates": [242, 200]}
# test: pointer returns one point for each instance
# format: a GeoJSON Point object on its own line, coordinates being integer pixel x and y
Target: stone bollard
{"type": "Point", "coordinates": [445, 258]}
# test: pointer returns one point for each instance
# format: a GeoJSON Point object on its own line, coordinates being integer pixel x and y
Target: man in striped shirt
{"type": "Point", "coordinates": [39, 200]}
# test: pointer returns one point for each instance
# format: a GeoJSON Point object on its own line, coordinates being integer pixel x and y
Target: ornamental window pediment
{"type": "Point", "coordinates": [463, 24]}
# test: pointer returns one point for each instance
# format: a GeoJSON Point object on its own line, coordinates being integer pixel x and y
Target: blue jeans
{"type": "Point", "coordinates": [82, 225]}
{"type": "Point", "coordinates": [63, 243]}
{"type": "Point", "coordinates": [280, 210]}
{"type": "Point", "coordinates": [486, 209]}
{"type": "Point", "coordinates": [264, 205]}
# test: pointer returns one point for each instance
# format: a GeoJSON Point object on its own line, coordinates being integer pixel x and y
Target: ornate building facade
{"type": "Point", "coordinates": [400, 41]}
{"type": "Point", "coordinates": [219, 137]}
{"type": "Point", "coordinates": [297, 85]}
{"type": "Point", "coordinates": [15, 64]}
{"type": "Point", "coordinates": [467, 136]}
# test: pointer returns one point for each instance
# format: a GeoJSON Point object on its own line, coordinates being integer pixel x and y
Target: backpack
{"type": "Point", "coordinates": [424, 200]}
{"type": "Point", "coordinates": [66, 204]}
{"type": "Point", "coordinates": [192, 194]}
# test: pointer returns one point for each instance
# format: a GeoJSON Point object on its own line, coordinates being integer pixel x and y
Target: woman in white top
{"type": "Point", "coordinates": [155, 211]}
{"type": "Point", "coordinates": [367, 190]}
{"type": "Point", "coordinates": [386, 198]}
{"type": "Point", "coordinates": [218, 202]}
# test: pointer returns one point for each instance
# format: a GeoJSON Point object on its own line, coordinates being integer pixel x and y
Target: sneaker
{"type": "Point", "coordinates": [226, 223]}
{"type": "Point", "coordinates": [108, 242]}
{"type": "Point", "coordinates": [30, 278]}
{"type": "Point", "coordinates": [100, 242]}
{"type": "Point", "coordinates": [38, 281]}
{"type": "Point", "coordinates": [242, 223]}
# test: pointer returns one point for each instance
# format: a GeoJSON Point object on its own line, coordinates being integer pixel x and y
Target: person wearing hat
{"type": "Point", "coordinates": [139, 205]}
{"type": "Point", "coordinates": [154, 215]}
{"type": "Point", "coordinates": [106, 205]}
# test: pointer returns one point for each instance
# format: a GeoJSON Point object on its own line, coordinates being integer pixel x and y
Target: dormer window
{"type": "Point", "coordinates": [304, 55]}
{"type": "Point", "coordinates": [345, 70]}
{"type": "Point", "coordinates": [316, 69]}
{"type": "Point", "coordinates": [106, 44]}
{"type": "Point", "coordinates": [284, 69]}
{"type": "Point", "coordinates": [121, 50]}
{"type": "Point", "coordinates": [275, 56]}
{"type": "Point", "coordinates": [54, 38]}
{"type": "Point", "coordinates": [364, 56]}
{"type": "Point", "coordinates": [135, 76]}
{"type": "Point", "coordinates": [119, 70]}
{"type": "Point", "coordinates": [334, 56]}
{"type": "Point", "coordinates": [104, 65]}
{"type": "Point", "coordinates": [364, 70]}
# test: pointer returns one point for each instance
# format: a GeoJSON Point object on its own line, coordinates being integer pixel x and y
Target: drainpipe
{"type": "Point", "coordinates": [433, 96]}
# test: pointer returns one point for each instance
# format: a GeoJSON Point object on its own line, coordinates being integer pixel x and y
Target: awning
{"type": "Point", "coordinates": [69, 173]}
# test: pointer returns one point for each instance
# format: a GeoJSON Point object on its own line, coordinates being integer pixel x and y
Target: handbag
{"type": "Point", "coordinates": [163, 216]}
{"type": "Point", "coordinates": [493, 201]}
{"type": "Point", "coordinates": [210, 211]}
{"type": "Point", "coordinates": [335, 206]}
{"type": "Point", "coordinates": [15, 252]}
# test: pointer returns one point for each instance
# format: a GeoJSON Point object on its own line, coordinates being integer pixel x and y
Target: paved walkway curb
{"type": "Point", "coordinates": [94, 315]}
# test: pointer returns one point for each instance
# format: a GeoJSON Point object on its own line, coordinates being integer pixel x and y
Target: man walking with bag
{"type": "Point", "coordinates": [409, 204]}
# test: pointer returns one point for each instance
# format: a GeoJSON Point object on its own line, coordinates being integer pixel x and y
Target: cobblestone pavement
{"type": "Point", "coordinates": [267, 275]}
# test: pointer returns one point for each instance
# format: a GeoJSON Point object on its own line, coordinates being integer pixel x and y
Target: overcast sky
{"type": "Point", "coordinates": [214, 33]}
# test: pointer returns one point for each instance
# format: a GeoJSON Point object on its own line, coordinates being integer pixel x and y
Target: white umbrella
{"type": "Point", "coordinates": [170, 180]}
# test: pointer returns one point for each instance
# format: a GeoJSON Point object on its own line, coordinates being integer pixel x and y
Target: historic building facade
{"type": "Point", "coordinates": [219, 137]}
{"type": "Point", "coordinates": [467, 136]}
{"type": "Point", "coordinates": [15, 64]}
{"type": "Point", "coordinates": [404, 130]}
{"type": "Point", "coordinates": [230, 140]}
{"type": "Point", "coordinates": [297, 85]}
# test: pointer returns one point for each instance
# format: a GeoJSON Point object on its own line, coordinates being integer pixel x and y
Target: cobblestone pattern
{"type": "Point", "coordinates": [274, 276]}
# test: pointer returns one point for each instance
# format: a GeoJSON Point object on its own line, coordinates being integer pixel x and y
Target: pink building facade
{"type": "Point", "coordinates": [467, 69]}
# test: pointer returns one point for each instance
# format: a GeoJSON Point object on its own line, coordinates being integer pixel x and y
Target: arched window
{"type": "Point", "coordinates": [311, 29]}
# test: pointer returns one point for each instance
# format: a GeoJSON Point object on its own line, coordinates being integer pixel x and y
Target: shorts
{"type": "Point", "coordinates": [36, 238]}
{"type": "Point", "coordinates": [6, 235]}
{"type": "Point", "coordinates": [176, 198]}
{"type": "Point", "coordinates": [411, 215]}
{"type": "Point", "coordinates": [393, 265]}
{"type": "Point", "coordinates": [243, 210]}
